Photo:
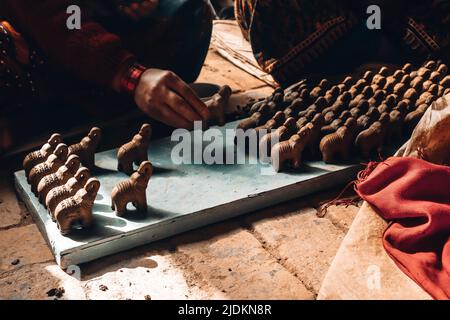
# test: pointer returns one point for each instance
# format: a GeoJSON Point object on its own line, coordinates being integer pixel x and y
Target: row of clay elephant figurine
{"type": "Point", "coordinates": [333, 120]}
{"type": "Point", "coordinates": [61, 184]}
{"type": "Point", "coordinates": [67, 190]}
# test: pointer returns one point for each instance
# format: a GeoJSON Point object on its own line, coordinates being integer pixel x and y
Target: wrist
{"type": "Point", "coordinates": [129, 78]}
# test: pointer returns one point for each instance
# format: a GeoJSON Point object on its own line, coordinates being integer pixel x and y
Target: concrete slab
{"type": "Point", "coordinates": [22, 246]}
{"type": "Point", "coordinates": [303, 243]}
{"type": "Point", "coordinates": [10, 210]}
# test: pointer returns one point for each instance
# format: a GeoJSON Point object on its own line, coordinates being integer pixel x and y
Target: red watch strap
{"type": "Point", "coordinates": [129, 82]}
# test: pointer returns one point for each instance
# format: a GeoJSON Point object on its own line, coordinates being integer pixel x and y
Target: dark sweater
{"type": "Point", "coordinates": [92, 53]}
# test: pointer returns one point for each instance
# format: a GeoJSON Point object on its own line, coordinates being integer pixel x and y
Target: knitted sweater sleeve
{"type": "Point", "coordinates": [91, 53]}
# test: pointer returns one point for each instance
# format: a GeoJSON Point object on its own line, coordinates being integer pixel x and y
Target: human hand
{"type": "Point", "coordinates": [165, 97]}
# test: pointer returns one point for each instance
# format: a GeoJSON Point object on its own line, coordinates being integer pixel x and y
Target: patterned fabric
{"type": "Point", "coordinates": [288, 35]}
{"type": "Point", "coordinates": [18, 67]}
{"type": "Point", "coordinates": [176, 37]}
{"type": "Point", "coordinates": [427, 27]}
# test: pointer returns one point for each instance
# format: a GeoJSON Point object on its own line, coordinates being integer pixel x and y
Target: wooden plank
{"type": "Point", "coordinates": [180, 198]}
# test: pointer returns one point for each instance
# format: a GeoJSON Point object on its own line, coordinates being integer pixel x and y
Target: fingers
{"type": "Point", "coordinates": [181, 107]}
{"type": "Point", "coordinates": [180, 87]}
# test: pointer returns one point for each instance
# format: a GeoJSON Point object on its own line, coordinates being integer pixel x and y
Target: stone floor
{"type": "Point", "coordinates": [281, 252]}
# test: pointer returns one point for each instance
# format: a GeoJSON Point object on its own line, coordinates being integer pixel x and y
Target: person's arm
{"type": "Point", "coordinates": [96, 55]}
{"type": "Point", "coordinates": [91, 53]}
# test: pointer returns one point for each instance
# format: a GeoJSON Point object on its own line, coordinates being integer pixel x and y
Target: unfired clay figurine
{"type": "Point", "coordinates": [317, 106]}
{"type": "Point", "coordinates": [430, 64]}
{"type": "Point", "coordinates": [338, 144]}
{"type": "Point", "coordinates": [331, 95]}
{"type": "Point", "coordinates": [282, 133]}
{"type": "Point", "coordinates": [345, 84]}
{"type": "Point", "coordinates": [396, 119]}
{"type": "Point", "coordinates": [329, 117]}
{"type": "Point", "coordinates": [399, 88]}
{"type": "Point", "coordinates": [332, 127]}
{"type": "Point", "coordinates": [290, 150]}
{"type": "Point", "coordinates": [294, 108]}
{"type": "Point", "coordinates": [314, 139]}
{"type": "Point", "coordinates": [217, 105]}
{"type": "Point", "coordinates": [34, 158]}
{"type": "Point", "coordinates": [340, 104]}
{"type": "Point", "coordinates": [384, 71]}
{"type": "Point", "coordinates": [417, 83]}
{"type": "Point", "coordinates": [424, 72]}
{"type": "Point", "coordinates": [273, 122]}
{"type": "Point", "coordinates": [51, 165]}
{"type": "Point", "coordinates": [87, 147]}
{"type": "Point", "coordinates": [256, 119]}
{"type": "Point", "coordinates": [423, 98]}
{"type": "Point", "coordinates": [377, 98]}
{"type": "Point", "coordinates": [77, 207]}
{"type": "Point", "coordinates": [372, 139]}
{"type": "Point", "coordinates": [435, 77]}
{"type": "Point", "coordinates": [364, 121]}
{"type": "Point", "coordinates": [58, 194]}
{"type": "Point", "coordinates": [411, 94]}
{"type": "Point", "coordinates": [368, 75]}
{"type": "Point", "coordinates": [442, 69]}
{"type": "Point", "coordinates": [132, 190]}
{"type": "Point", "coordinates": [58, 178]}
{"type": "Point", "coordinates": [445, 82]}
{"type": "Point", "coordinates": [134, 151]}
{"type": "Point", "coordinates": [407, 67]}
{"type": "Point", "coordinates": [413, 118]}
{"type": "Point", "coordinates": [406, 80]}
{"type": "Point", "coordinates": [316, 92]}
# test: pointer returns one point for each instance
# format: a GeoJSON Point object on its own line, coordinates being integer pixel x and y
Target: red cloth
{"type": "Point", "coordinates": [92, 53]}
{"type": "Point", "coordinates": [414, 196]}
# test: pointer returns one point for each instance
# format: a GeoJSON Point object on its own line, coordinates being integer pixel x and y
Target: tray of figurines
{"type": "Point", "coordinates": [89, 205]}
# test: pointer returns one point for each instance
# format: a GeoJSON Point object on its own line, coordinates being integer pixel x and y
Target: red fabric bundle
{"type": "Point", "coordinates": [414, 196]}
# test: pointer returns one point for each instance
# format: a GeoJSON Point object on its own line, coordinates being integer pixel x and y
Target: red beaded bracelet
{"type": "Point", "coordinates": [129, 82]}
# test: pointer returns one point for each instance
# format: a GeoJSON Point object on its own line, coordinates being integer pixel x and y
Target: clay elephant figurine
{"type": "Point", "coordinates": [58, 178]}
{"type": "Point", "coordinates": [77, 207]}
{"type": "Point", "coordinates": [132, 190]}
{"type": "Point", "coordinates": [217, 105]}
{"type": "Point", "coordinates": [291, 150]}
{"type": "Point", "coordinates": [51, 165]}
{"type": "Point", "coordinates": [87, 147]}
{"type": "Point", "coordinates": [338, 143]}
{"type": "Point", "coordinates": [134, 151]}
{"type": "Point", "coordinates": [372, 139]}
{"type": "Point", "coordinates": [58, 194]}
{"type": "Point", "coordinates": [34, 158]}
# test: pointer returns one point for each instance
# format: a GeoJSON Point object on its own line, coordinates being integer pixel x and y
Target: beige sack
{"type": "Point", "coordinates": [361, 268]}
{"type": "Point", "coordinates": [431, 137]}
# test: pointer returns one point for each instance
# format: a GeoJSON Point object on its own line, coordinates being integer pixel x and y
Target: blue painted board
{"type": "Point", "coordinates": [180, 198]}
